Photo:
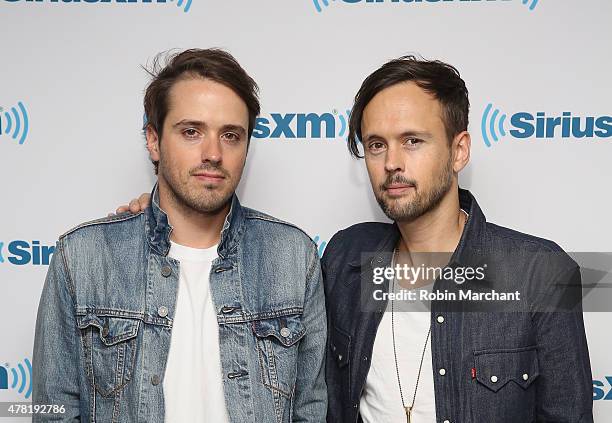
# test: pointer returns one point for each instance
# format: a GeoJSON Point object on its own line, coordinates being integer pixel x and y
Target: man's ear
{"type": "Point", "coordinates": [462, 144]}
{"type": "Point", "coordinates": [152, 143]}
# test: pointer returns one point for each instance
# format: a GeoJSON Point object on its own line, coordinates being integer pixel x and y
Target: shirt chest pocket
{"type": "Point", "coordinates": [504, 388]}
{"type": "Point", "coordinates": [110, 349]}
{"type": "Point", "coordinates": [277, 347]}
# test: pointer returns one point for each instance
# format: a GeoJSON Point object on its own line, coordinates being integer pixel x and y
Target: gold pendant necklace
{"type": "Point", "coordinates": [408, 409]}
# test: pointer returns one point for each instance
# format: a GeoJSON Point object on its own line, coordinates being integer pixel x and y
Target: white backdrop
{"type": "Point", "coordinates": [73, 68]}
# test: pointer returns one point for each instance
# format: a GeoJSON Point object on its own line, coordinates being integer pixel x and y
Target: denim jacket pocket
{"type": "Point", "coordinates": [110, 348]}
{"type": "Point", "coordinates": [277, 346]}
{"type": "Point", "coordinates": [496, 368]}
{"type": "Point", "coordinates": [503, 390]}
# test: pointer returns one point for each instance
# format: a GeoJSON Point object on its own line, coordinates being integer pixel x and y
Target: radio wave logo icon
{"type": "Point", "coordinates": [320, 245]}
{"type": "Point", "coordinates": [185, 4]}
{"type": "Point", "coordinates": [493, 125]}
{"type": "Point", "coordinates": [531, 3]}
{"type": "Point", "coordinates": [344, 118]}
{"type": "Point", "coordinates": [318, 3]}
{"type": "Point", "coordinates": [15, 122]}
{"type": "Point", "coordinates": [20, 378]}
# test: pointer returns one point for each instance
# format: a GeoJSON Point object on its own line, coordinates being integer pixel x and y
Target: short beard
{"type": "Point", "coordinates": [205, 201]}
{"type": "Point", "coordinates": [422, 203]}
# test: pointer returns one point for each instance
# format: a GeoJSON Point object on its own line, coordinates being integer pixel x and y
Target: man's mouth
{"type": "Point", "coordinates": [211, 177]}
{"type": "Point", "coordinates": [398, 189]}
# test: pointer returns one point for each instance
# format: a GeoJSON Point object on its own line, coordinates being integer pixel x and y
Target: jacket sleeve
{"type": "Point", "coordinates": [565, 386]}
{"type": "Point", "coordinates": [55, 369]}
{"type": "Point", "coordinates": [310, 397]}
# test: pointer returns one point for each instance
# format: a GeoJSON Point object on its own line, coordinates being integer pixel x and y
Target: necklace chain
{"type": "Point", "coordinates": [399, 381]}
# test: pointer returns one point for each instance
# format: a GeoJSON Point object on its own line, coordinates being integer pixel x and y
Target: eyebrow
{"type": "Point", "coordinates": [202, 124]}
{"type": "Point", "coordinates": [417, 134]}
{"type": "Point", "coordinates": [187, 122]}
{"type": "Point", "coordinates": [236, 128]}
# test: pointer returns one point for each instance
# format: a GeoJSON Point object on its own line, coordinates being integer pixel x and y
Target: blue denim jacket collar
{"type": "Point", "coordinates": [469, 242]}
{"type": "Point", "coordinates": [159, 229]}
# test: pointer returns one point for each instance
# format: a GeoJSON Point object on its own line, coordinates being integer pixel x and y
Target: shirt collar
{"type": "Point", "coordinates": [159, 229]}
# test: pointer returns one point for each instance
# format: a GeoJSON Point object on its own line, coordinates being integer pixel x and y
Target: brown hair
{"type": "Point", "coordinates": [437, 78]}
{"type": "Point", "coordinates": [214, 64]}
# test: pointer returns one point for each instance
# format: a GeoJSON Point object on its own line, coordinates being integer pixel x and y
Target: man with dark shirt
{"type": "Point", "coordinates": [518, 355]}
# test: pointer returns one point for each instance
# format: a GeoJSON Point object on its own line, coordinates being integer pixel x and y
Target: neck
{"type": "Point", "coordinates": [438, 230]}
{"type": "Point", "coordinates": [191, 227]}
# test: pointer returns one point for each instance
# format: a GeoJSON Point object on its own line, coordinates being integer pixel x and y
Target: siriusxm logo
{"type": "Point", "coordinates": [21, 252]}
{"type": "Point", "coordinates": [183, 4]}
{"type": "Point", "coordinates": [320, 245]}
{"type": "Point", "coordinates": [14, 123]}
{"type": "Point", "coordinates": [601, 393]}
{"type": "Point", "coordinates": [495, 125]}
{"type": "Point", "coordinates": [302, 125]}
{"type": "Point", "coordinates": [320, 5]}
{"type": "Point", "coordinates": [20, 378]}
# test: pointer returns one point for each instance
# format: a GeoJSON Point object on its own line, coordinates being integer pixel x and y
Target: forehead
{"type": "Point", "coordinates": [197, 94]}
{"type": "Point", "coordinates": [401, 107]}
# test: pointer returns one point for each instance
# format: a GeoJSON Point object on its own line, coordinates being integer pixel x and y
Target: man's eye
{"type": "Point", "coordinates": [230, 136]}
{"type": "Point", "coordinates": [375, 146]}
{"type": "Point", "coordinates": [413, 141]}
{"type": "Point", "coordinates": [190, 133]}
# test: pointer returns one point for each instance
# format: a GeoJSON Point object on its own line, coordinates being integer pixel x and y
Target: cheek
{"type": "Point", "coordinates": [431, 168]}
{"type": "Point", "coordinates": [178, 158]}
{"type": "Point", "coordinates": [376, 171]}
{"type": "Point", "coordinates": [234, 160]}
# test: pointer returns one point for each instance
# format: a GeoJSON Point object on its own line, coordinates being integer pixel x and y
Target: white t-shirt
{"type": "Point", "coordinates": [381, 401]}
{"type": "Point", "coordinates": [193, 382]}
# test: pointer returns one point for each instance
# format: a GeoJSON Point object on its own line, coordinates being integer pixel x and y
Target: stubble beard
{"type": "Point", "coordinates": [401, 210]}
{"type": "Point", "coordinates": [206, 198]}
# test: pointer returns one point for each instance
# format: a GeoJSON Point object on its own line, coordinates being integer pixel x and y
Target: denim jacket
{"type": "Point", "coordinates": [106, 313]}
{"type": "Point", "coordinates": [499, 366]}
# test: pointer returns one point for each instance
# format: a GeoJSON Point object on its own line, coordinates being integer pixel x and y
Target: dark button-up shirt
{"type": "Point", "coordinates": [514, 362]}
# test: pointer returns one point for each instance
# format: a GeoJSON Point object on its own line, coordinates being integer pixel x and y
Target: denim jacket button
{"type": "Point", "coordinates": [442, 372]}
{"type": "Point", "coordinates": [525, 376]}
{"type": "Point", "coordinates": [440, 319]}
{"type": "Point", "coordinates": [162, 311]}
{"type": "Point", "coordinates": [494, 379]}
{"type": "Point", "coordinates": [155, 380]}
{"type": "Point", "coordinates": [285, 332]}
{"type": "Point", "coordinates": [446, 421]}
{"type": "Point", "coordinates": [166, 271]}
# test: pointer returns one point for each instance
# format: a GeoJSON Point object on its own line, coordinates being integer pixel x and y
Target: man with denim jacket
{"type": "Point", "coordinates": [519, 361]}
{"type": "Point", "coordinates": [196, 308]}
